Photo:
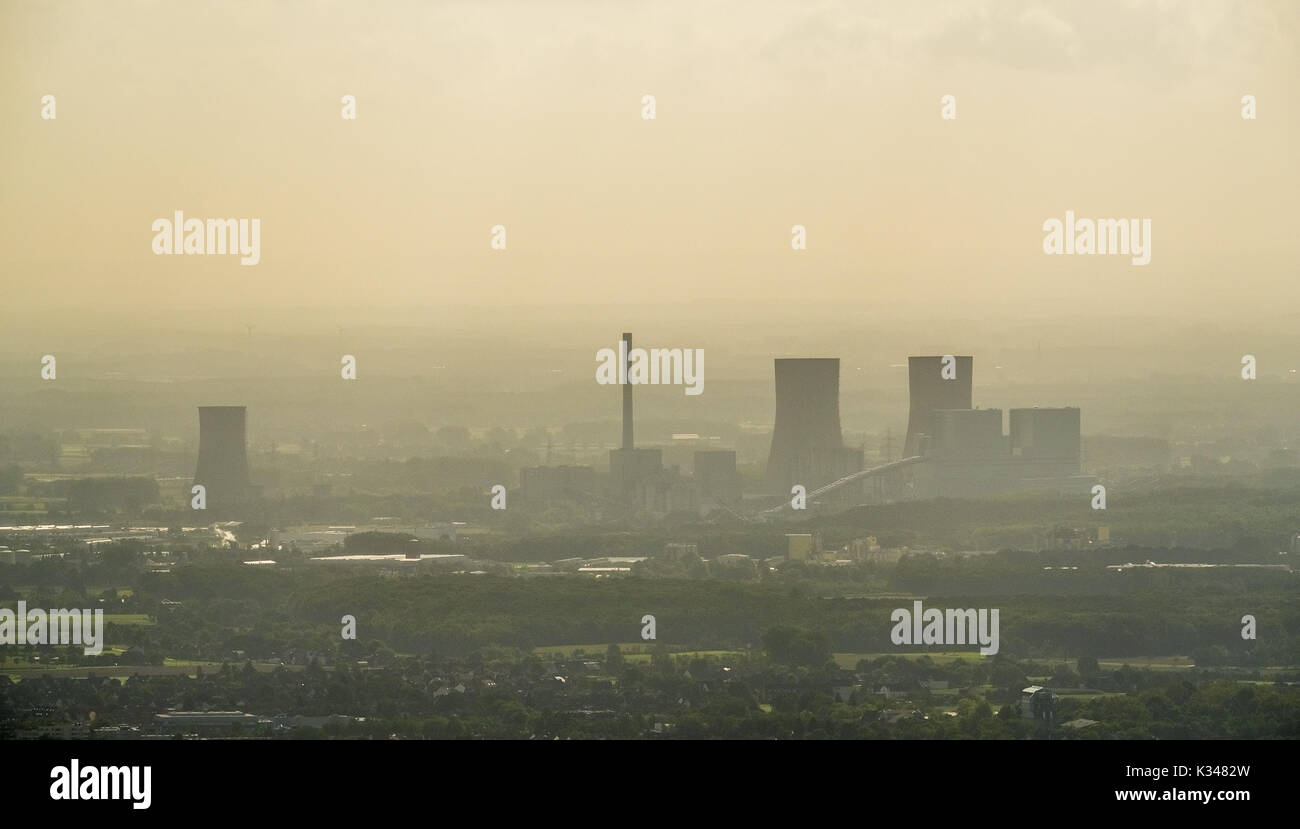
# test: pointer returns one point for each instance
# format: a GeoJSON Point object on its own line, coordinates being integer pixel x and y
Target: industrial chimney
{"type": "Point", "coordinates": [627, 392]}
{"type": "Point", "coordinates": [807, 427]}
{"type": "Point", "coordinates": [929, 392]}
{"type": "Point", "coordinates": [630, 467]}
{"type": "Point", "coordinates": [223, 457]}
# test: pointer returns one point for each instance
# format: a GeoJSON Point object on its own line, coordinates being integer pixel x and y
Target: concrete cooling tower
{"type": "Point", "coordinates": [930, 392]}
{"type": "Point", "coordinates": [807, 420]}
{"type": "Point", "coordinates": [223, 457]}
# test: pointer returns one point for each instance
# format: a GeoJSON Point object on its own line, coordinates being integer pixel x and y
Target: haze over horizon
{"type": "Point", "coordinates": [472, 115]}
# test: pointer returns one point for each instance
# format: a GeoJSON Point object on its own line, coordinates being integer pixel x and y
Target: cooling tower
{"type": "Point", "coordinates": [807, 418]}
{"type": "Point", "coordinates": [223, 459]}
{"type": "Point", "coordinates": [930, 392]}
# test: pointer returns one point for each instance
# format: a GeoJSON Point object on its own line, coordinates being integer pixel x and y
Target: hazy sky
{"type": "Point", "coordinates": [528, 115]}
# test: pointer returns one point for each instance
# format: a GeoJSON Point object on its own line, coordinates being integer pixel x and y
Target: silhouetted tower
{"type": "Point", "coordinates": [223, 455]}
{"type": "Point", "coordinates": [630, 467]}
{"type": "Point", "coordinates": [929, 392]}
{"type": "Point", "coordinates": [807, 417]}
{"type": "Point", "coordinates": [627, 392]}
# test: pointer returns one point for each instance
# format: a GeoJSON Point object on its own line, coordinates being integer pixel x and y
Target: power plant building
{"type": "Point", "coordinates": [630, 468]}
{"type": "Point", "coordinates": [223, 456]}
{"type": "Point", "coordinates": [717, 479]}
{"type": "Point", "coordinates": [666, 492]}
{"type": "Point", "coordinates": [967, 434]}
{"type": "Point", "coordinates": [1047, 440]}
{"type": "Point", "coordinates": [966, 452]}
{"type": "Point", "coordinates": [930, 391]}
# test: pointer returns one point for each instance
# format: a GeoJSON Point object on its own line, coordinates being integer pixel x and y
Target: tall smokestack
{"type": "Point", "coordinates": [223, 456]}
{"type": "Point", "coordinates": [627, 391]}
{"type": "Point", "coordinates": [807, 417]}
{"type": "Point", "coordinates": [929, 392]}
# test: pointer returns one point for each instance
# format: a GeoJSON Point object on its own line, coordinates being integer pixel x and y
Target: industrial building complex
{"type": "Point", "coordinates": [952, 449]}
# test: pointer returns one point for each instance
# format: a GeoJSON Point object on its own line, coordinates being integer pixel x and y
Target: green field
{"type": "Point", "coordinates": [170, 667]}
{"type": "Point", "coordinates": [850, 660]}
{"type": "Point", "coordinates": [571, 651]}
{"type": "Point", "coordinates": [640, 652]}
{"type": "Point", "coordinates": [128, 619]}
{"type": "Point", "coordinates": [1155, 663]}
{"type": "Point", "coordinates": [635, 652]}
{"type": "Point", "coordinates": [23, 503]}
